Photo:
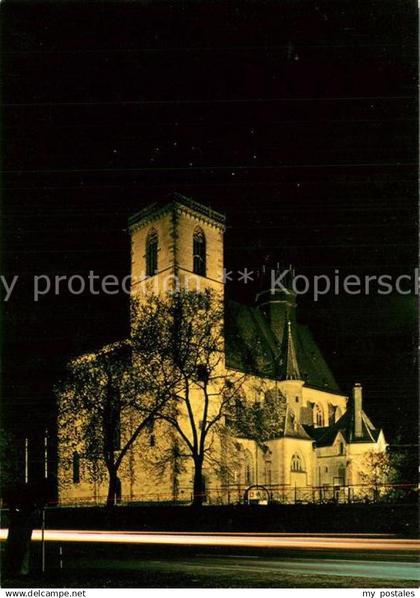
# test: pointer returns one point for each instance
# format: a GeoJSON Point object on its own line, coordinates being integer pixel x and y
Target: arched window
{"type": "Point", "coordinates": [331, 414]}
{"type": "Point", "coordinates": [202, 372]}
{"type": "Point", "coordinates": [199, 252]}
{"type": "Point", "coordinates": [76, 467]}
{"type": "Point", "coordinates": [248, 467]}
{"type": "Point", "coordinates": [152, 253]}
{"type": "Point", "coordinates": [248, 477]}
{"type": "Point", "coordinates": [319, 416]}
{"type": "Point", "coordinates": [296, 464]}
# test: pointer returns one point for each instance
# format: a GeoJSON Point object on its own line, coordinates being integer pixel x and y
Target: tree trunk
{"type": "Point", "coordinates": [198, 488]}
{"type": "Point", "coordinates": [112, 488]}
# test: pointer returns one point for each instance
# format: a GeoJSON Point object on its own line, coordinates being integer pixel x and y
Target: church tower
{"type": "Point", "coordinates": [276, 299]}
{"type": "Point", "coordinates": [176, 245]}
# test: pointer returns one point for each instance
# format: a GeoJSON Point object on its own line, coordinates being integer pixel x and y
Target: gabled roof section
{"type": "Point", "coordinates": [251, 346]}
{"type": "Point", "coordinates": [326, 436]}
{"type": "Point", "coordinates": [294, 429]}
{"type": "Point", "coordinates": [313, 367]}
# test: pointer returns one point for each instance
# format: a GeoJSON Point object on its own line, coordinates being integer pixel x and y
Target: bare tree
{"type": "Point", "coordinates": [189, 363]}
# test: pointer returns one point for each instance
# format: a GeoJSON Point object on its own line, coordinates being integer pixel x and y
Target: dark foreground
{"type": "Point", "coordinates": [92, 564]}
{"type": "Point", "coordinates": [375, 518]}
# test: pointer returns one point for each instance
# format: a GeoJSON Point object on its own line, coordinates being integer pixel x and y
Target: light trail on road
{"type": "Point", "coordinates": [332, 542]}
{"type": "Point", "coordinates": [242, 565]}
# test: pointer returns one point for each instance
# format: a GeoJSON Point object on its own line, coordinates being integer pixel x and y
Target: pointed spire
{"type": "Point", "coordinates": [291, 370]}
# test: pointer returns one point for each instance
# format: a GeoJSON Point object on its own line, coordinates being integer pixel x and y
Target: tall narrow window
{"type": "Point", "coordinates": [267, 473]}
{"type": "Point", "coordinates": [341, 478]}
{"type": "Point", "coordinates": [247, 474]}
{"type": "Point", "coordinates": [152, 253]}
{"type": "Point", "coordinates": [76, 467]}
{"type": "Point", "coordinates": [331, 414]}
{"type": "Point", "coordinates": [199, 252]}
{"type": "Point", "coordinates": [248, 469]}
{"type": "Point", "coordinates": [319, 416]}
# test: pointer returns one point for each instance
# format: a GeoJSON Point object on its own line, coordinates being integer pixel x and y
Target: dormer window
{"type": "Point", "coordinates": [152, 253]}
{"type": "Point", "coordinates": [199, 252]}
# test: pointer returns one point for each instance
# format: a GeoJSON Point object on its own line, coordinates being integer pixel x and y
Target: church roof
{"type": "Point", "coordinates": [251, 346]}
{"type": "Point", "coordinates": [294, 429]}
{"type": "Point", "coordinates": [326, 436]}
{"type": "Point", "coordinates": [291, 366]}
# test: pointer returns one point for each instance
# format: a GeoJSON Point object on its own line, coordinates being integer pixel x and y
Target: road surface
{"type": "Point", "coordinates": [347, 555]}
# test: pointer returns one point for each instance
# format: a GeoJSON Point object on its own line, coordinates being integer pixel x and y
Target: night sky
{"type": "Point", "coordinates": [298, 119]}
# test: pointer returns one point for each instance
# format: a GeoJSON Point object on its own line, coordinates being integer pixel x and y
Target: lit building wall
{"type": "Point", "coordinates": [292, 460]}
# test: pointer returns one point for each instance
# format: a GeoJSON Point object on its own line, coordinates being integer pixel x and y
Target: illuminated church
{"type": "Point", "coordinates": [319, 450]}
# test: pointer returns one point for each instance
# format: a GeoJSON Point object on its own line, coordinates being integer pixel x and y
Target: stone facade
{"type": "Point", "coordinates": [320, 449]}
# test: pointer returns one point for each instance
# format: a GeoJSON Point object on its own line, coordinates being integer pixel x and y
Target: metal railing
{"type": "Point", "coordinates": [278, 494]}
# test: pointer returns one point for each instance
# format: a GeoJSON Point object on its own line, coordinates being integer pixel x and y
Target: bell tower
{"type": "Point", "coordinates": [176, 245]}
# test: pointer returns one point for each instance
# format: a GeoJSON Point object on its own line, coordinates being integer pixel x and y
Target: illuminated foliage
{"type": "Point", "coordinates": [391, 475]}
{"type": "Point", "coordinates": [171, 370]}
{"type": "Point", "coordinates": [260, 420]}
{"type": "Point", "coordinates": [187, 361]}
{"type": "Point", "coordinates": [104, 405]}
